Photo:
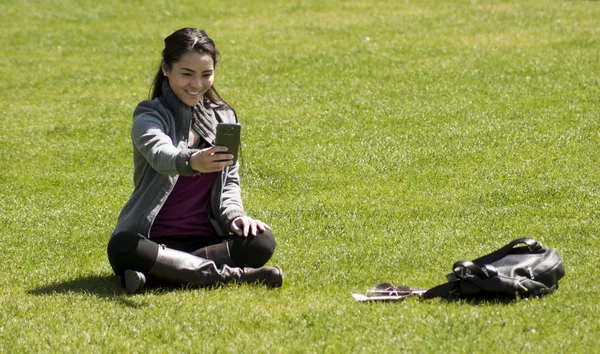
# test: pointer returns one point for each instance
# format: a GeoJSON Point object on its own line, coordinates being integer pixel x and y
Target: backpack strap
{"type": "Point", "coordinates": [532, 244]}
{"type": "Point", "coordinates": [475, 266]}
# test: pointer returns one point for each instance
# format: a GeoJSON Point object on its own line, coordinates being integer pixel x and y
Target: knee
{"type": "Point", "coordinates": [127, 250]}
{"type": "Point", "coordinates": [122, 244]}
{"type": "Point", "coordinates": [264, 244]}
{"type": "Point", "coordinates": [253, 251]}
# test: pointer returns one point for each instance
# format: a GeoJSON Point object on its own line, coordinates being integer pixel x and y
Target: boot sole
{"type": "Point", "coordinates": [133, 282]}
{"type": "Point", "coordinates": [279, 282]}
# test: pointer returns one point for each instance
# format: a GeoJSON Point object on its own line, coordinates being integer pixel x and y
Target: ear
{"type": "Point", "coordinates": [164, 68]}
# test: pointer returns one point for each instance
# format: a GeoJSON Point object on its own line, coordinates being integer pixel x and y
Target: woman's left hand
{"type": "Point", "coordinates": [244, 225]}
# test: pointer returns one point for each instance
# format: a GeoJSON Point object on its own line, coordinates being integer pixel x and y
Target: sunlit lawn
{"type": "Point", "coordinates": [383, 141]}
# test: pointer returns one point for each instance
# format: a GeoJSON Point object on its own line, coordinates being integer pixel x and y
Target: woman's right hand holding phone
{"type": "Point", "coordinates": [211, 159]}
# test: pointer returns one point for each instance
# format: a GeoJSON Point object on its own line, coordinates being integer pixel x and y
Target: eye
{"type": "Point", "coordinates": [187, 74]}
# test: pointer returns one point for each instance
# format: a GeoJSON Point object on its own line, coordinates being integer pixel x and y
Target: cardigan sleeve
{"type": "Point", "coordinates": [231, 205]}
{"type": "Point", "coordinates": [151, 138]}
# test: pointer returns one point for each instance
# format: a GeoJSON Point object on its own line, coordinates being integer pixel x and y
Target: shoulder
{"type": "Point", "coordinates": [150, 107]}
{"type": "Point", "coordinates": [150, 114]}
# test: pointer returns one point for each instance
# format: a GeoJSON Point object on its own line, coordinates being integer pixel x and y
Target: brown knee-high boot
{"type": "Point", "coordinates": [184, 268]}
{"type": "Point", "coordinates": [218, 253]}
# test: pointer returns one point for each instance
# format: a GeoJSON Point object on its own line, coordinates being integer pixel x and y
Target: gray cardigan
{"type": "Point", "coordinates": [159, 135]}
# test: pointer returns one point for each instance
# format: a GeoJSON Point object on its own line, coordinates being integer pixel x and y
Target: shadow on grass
{"type": "Point", "coordinates": [482, 300]}
{"type": "Point", "coordinates": [104, 286]}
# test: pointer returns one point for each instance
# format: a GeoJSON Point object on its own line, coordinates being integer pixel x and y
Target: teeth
{"type": "Point", "coordinates": [193, 93]}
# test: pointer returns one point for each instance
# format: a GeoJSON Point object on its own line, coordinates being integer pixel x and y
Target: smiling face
{"type": "Point", "coordinates": [191, 77]}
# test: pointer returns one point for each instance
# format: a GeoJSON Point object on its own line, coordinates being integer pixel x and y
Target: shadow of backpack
{"type": "Point", "coordinates": [523, 268]}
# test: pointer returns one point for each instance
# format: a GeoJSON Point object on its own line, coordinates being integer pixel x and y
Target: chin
{"type": "Point", "coordinates": [192, 103]}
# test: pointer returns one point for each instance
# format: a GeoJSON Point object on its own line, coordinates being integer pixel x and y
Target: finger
{"type": "Point", "coordinates": [236, 229]}
{"type": "Point", "coordinates": [224, 163]}
{"type": "Point", "coordinates": [253, 228]}
{"type": "Point", "coordinates": [222, 157]}
{"type": "Point", "coordinates": [217, 166]}
{"type": "Point", "coordinates": [246, 228]}
{"type": "Point", "coordinates": [217, 148]}
{"type": "Point", "coordinates": [264, 226]}
{"type": "Point", "coordinates": [260, 225]}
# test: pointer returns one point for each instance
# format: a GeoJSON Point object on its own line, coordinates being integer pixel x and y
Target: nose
{"type": "Point", "coordinates": [196, 84]}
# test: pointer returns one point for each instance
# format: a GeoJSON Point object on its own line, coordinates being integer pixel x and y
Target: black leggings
{"type": "Point", "coordinates": [128, 250]}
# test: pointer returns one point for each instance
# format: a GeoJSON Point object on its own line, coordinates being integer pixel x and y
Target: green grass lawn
{"type": "Point", "coordinates": [383, 141]}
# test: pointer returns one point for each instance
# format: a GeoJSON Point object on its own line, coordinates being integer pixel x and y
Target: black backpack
{"type": "Point", "coordinates": [510, 272]}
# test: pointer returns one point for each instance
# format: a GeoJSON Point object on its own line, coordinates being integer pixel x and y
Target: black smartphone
{"type": "Point", "coordinates": [229, 135]}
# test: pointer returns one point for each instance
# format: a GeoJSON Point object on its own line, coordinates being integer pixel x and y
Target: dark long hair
{"type": "Point", "coordinates": [181, 42]}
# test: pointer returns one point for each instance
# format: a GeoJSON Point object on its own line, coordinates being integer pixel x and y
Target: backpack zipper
{"type": "Point", "coordinates": [536, 263]}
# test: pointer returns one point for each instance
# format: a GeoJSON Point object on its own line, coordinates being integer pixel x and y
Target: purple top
{"type": "Point", "coordinates": [185, 212]}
